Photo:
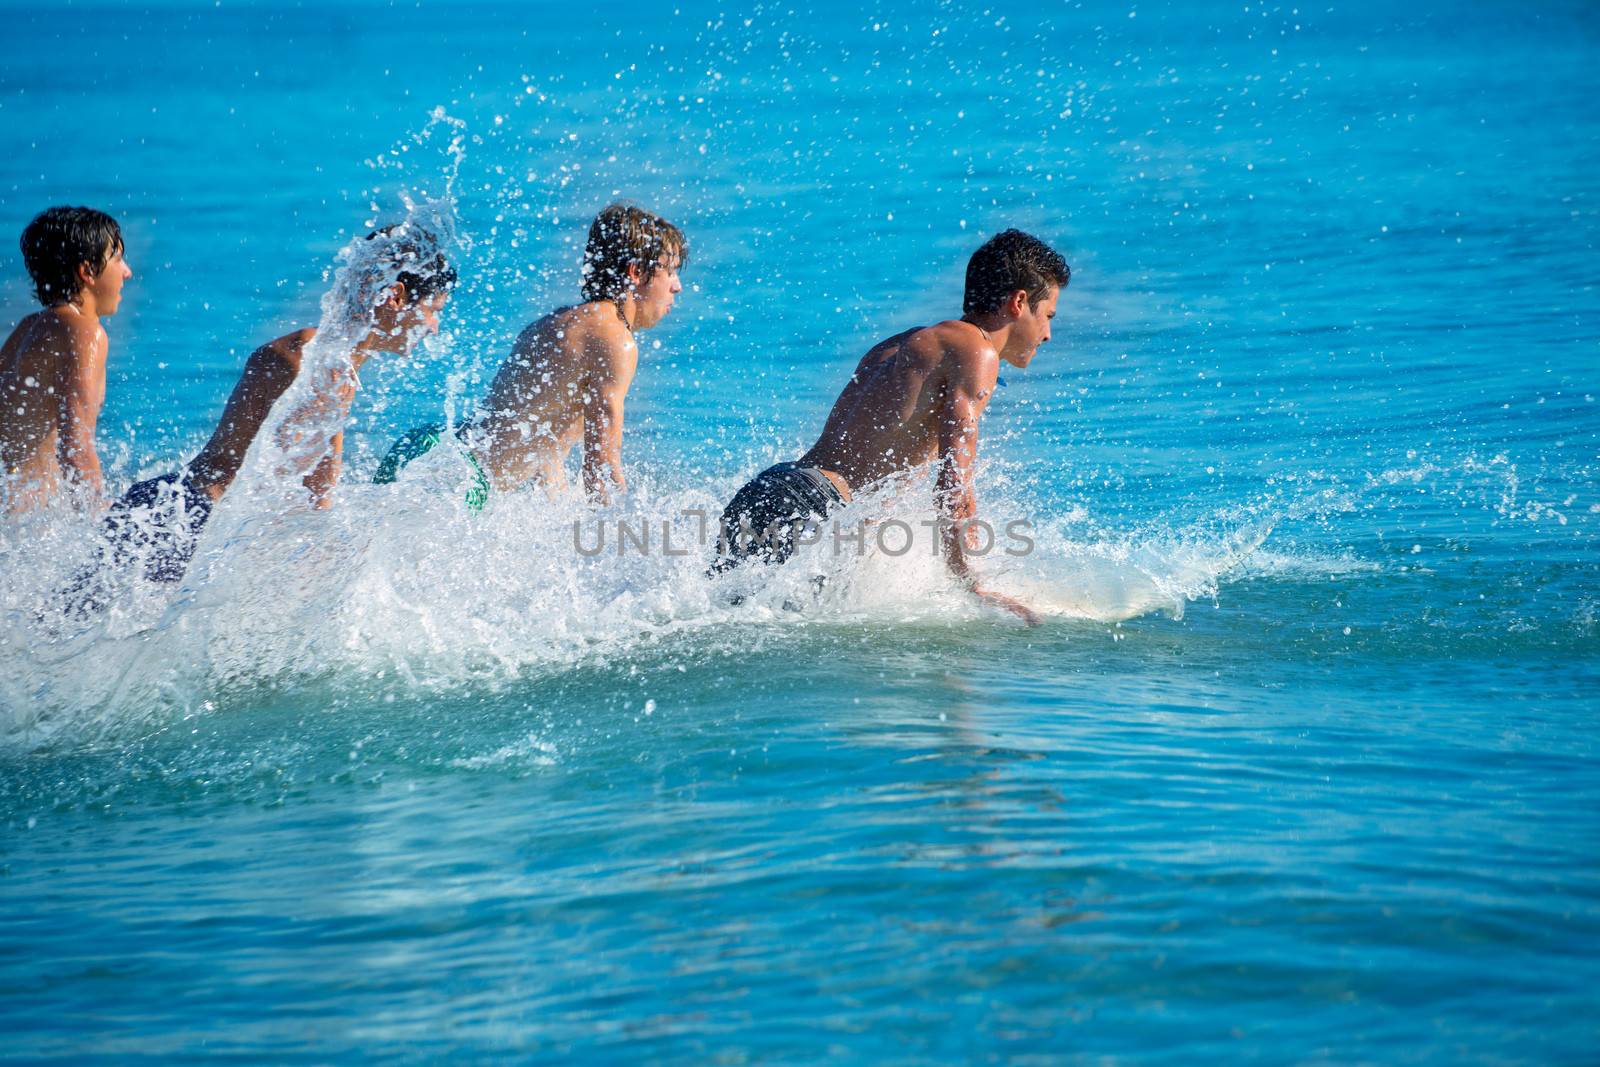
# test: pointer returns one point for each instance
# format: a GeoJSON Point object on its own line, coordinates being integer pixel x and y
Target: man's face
{"type": "Point", "coordinates": [401, 323]}
{"type": "Point", "coordinates": [1032, 328]}
{"type": "Point", "coordinates": [656, 296]}
{"type": "Point", "coordinates": [106, 286]}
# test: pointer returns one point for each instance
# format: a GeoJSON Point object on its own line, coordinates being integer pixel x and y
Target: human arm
{"type": "Point", "coordinates": [82, 388]}
{"type": "Point", "coordinates": [307, 435]}
{"type": "Point", "coordinates": [964, 396]}
{"type": "Point", "coordinates": [268, 372]}
{"type": "Point", "coordinates": [320, 482]}
{"type": "Point", "coordinates": [613, 361]}
{"type": "Point", "coordinates": [310, 438]}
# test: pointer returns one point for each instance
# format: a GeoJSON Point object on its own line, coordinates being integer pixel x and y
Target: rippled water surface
{"type": "Point", "coordinates": [1301, 766]}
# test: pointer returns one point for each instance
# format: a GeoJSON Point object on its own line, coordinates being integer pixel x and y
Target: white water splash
{"type": "Point", "coordinates": [400, 589]}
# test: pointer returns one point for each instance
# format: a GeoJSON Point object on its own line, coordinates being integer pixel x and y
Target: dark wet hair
{"type": "Point", "coordinates": [58, 240]}
{"type": "Point", "coordinates": [624, 234]}
{"type": "Point", "coordinates": [1009, 261]}
{"type": "Point", "coordinates": [422, 278]}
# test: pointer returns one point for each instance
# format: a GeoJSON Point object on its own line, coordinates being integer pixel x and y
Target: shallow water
{"type": "Point", "coordinates": [1301, 765]}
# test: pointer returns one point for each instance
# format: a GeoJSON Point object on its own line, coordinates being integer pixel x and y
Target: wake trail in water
{"type": "Point", "coordinates": [401, 589]}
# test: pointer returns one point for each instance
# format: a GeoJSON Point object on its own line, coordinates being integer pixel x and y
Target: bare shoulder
{"type": "Point", "coordinates": [605, 334]}
{"type": "Point", "coordinates": [64, 328]}
{"type": "Point", "coordinates": [959, 338]}
{"type": "Point", "coordinates": [58, 344]}
{"type": "Point", "coordinates": [281, 354]}
{"type": "Point", "coordinates": [951, 343]}
{"type": "Point", "coordinates": [553, 332]}
{"type": "Point", "coordinates": [33, 331]}
{"type": "Point", "coordinates": [541, 326]}
{"type": "Point", "coordinates": [965, 352]}
{"type": "Point", "coordinates": [594, 334]}
{"type": "Point", "coordinates": [571, 337]}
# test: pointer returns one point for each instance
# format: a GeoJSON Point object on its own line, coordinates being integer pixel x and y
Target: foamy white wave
{"type": "Point", "coordinates": [531, 750]}
{"type": "Point", "coordinates": [399, 587]}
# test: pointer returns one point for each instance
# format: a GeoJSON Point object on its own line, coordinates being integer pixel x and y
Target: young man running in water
{"type": "Point", "coordinates": [568, 373]}
{"type": "Point", "coordinates": [161, 518]}
{"type": "Point", "coordinates": [53, 366]}
{"type": "Point", "coordinates": [914, 399]}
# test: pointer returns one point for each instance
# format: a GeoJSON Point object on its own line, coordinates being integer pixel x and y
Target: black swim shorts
{"type": "Point", "coordinates": [765, 517]}
{"type": "Point", "coordinates": [158, 521]}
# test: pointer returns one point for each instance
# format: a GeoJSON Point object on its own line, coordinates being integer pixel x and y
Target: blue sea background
{"type": "Point", "coordinates": [1301, 766]}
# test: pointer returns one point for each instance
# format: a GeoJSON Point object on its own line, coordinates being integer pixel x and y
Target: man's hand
{"type": "Point", "coordinates": [1000, 600]}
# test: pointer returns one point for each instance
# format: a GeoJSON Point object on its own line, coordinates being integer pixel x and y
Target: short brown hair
{"type": "Point", "coordinates": [58, 240]}
{"type": "Point", "coordinates": [422, 275]}
{"type": "Point", "coordinates": [1008, 261]}
{"type": "Point", "coordinates": [624, 234]}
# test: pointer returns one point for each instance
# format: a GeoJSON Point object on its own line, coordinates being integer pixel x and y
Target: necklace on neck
{"type": "Point", "coordinates": [617, 305]}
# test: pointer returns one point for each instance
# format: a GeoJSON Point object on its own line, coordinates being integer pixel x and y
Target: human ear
{"type": "Point", "coordinates": [395, 296]}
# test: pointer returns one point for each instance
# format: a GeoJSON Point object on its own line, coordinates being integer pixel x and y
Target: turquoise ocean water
{"type": "Point", "coordinates": [1301, 766]}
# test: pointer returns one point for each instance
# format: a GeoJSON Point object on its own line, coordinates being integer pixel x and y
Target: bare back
{"type": "Point", "coordinates": [52, 386]}
{"type": "Point", "coordinates": [888, 418]}
{"type": "Point", "coordinates": [563, 382]}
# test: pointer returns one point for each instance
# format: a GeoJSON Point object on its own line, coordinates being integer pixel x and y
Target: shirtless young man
{"type": "Point", "coordinates": [914, 399]}
{"type": "Point", "coordinates": [53, 366]}
{"type": "Point", "coordinates": [568, 373]}
{"type": "Point", "coordinates": [161, 518]}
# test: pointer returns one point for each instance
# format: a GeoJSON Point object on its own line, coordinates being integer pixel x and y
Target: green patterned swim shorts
{"type": "Point", "coordinates": [422, 440]}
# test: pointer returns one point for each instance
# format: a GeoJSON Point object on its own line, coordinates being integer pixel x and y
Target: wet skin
{"type": "Point", "coordinates": [566, 380]}
{"type": "Point", "coordinates": [272, 368]}
{"type": "Point", "coordinates": [52, 386]}
{"type": "Point", "coordinates": [917, 398]}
